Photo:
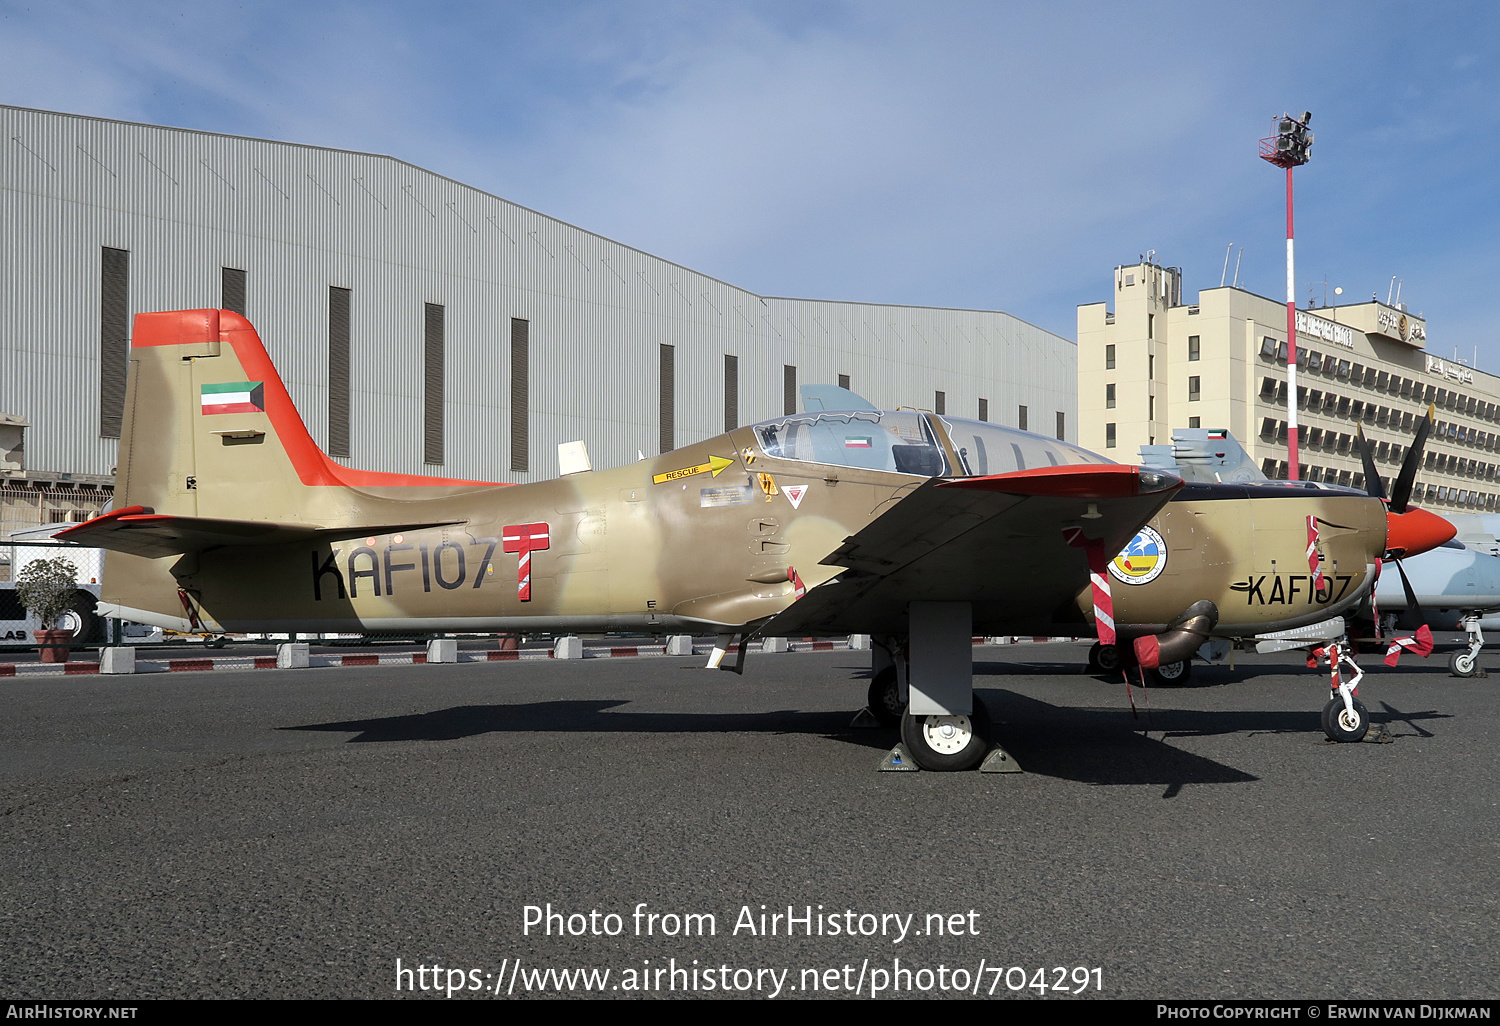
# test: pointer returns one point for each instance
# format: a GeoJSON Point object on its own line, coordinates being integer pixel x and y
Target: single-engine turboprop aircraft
{"type": "Point", "coordinates": [904, 525]}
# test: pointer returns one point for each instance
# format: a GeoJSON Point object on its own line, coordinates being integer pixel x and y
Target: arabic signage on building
{"type": "Point", "coordinates": [1448, 369]}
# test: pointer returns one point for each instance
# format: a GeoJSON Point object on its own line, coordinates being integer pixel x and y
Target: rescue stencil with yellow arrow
{"type": "Point", "coordinates": [713, 467]}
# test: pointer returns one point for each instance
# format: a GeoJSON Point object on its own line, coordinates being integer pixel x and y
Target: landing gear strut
{"type": "Point", "coordinates": [1345, 718]}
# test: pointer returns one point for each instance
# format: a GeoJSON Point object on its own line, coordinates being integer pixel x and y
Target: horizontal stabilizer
{"type": "Point", "coordinates": [141, 532]}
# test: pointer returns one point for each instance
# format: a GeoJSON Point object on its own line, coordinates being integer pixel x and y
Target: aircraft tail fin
{"type": "Point", "coordinates": [210, 431]}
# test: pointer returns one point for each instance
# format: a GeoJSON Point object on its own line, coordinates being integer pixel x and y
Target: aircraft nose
{"type": "Point", "coordinates": [1414, 531]}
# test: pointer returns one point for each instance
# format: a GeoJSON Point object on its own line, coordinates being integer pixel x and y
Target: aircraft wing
{"type": "Point", "coordinates": [140, 532]}
{"type": "Point", "coordinates": [997, 542]}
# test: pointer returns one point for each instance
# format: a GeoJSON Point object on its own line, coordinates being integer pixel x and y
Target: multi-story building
{"type": "Point", "coordinates": [1154, 363]}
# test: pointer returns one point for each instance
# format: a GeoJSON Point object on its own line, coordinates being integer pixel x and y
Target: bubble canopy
{"type": "Point", "coordinates": [908, 442]}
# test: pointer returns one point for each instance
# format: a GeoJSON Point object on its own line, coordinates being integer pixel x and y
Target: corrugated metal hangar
{"type": "Point", "coordinates": [421, 325]}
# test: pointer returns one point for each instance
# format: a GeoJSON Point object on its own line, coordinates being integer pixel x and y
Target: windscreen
{"type": "Point", "coordinates": [899, 442]}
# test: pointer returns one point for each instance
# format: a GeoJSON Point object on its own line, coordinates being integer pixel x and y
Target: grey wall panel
{"type": "Point", "coordinates": [299, 219]}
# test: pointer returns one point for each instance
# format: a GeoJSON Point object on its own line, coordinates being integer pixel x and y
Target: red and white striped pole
{"type": "Point", "coordinates": [1291, 339]}
{"type": "Point", "coordinates": [1286, 149]}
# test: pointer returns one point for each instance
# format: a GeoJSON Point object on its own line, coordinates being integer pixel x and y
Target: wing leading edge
{"type": "Point", "coordinates": [997, 542]}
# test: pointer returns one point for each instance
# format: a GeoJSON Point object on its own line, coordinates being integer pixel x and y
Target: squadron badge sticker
{"type": "Point", "coordinates": [1142, 561]}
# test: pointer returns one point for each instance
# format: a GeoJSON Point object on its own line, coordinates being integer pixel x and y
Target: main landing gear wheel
{"type": "Point", "coordinates": [1463, 664]}
{"type": "Point", "coordinates": [1104, 658]}
{"type": "Point", "coordinates": [885, 698]}
{"type": "Point", "coordinates": [947, 742]}
{"type": "Point", "coordinates": [1169, 674]}
{"type": "Point", "coordinates": [1339, 725]}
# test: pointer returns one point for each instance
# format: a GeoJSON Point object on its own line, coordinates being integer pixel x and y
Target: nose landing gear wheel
{"type": "Point", "coordinates": [885, 698]}
{"type": "Point", "coordinates": [1339, 725]}
{"type": "Point", "coordinates": [1463, 664]}
{"type": "Point", "coordinates": [947, 742]}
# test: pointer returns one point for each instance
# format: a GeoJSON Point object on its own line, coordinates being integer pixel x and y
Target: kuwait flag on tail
{"type": "Point", "coordinates": [234, 397]}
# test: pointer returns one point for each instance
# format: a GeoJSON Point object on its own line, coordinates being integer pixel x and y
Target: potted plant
{"type": "Point", "coordinates": [46, 589]}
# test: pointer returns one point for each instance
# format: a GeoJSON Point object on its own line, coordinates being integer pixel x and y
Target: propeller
{"type": "Point", "coordinates": [1408, 529]}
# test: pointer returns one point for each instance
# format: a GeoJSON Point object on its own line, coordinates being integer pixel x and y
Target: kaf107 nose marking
{"type": "Point", "coordinates": [525, 539]}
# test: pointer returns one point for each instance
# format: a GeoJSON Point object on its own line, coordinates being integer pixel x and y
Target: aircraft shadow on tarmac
{"type": "Point", "coordinates": [1095, 746]}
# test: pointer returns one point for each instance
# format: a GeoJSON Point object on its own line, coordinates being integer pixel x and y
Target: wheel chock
{"type": "Point", "coordinates": [864, 719]}
{"type": "Point", "coordinates": [999, 761]}
{"type": "Point", "coordinates": [898, 760]}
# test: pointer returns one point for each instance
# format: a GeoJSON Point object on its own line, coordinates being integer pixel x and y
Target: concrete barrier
{"type": "Point", "coordinates": [570, 647]}
{"type": "Point", "coordinates": [292, 655]}
{"type": "Point", "coordinates": [117, 660]}
{"type": "Point", "coordinates": [442, 650]}
{"type": "Point", "coordinates": [679, 645]}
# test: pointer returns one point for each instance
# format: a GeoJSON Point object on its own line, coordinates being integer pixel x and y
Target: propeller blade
{"type": "Point", "coordinates": [1373, 483]}
{"type": "Point", "coordinates": [1401, 490]}
{"type": "Point", "coordinates": [1411, 596]}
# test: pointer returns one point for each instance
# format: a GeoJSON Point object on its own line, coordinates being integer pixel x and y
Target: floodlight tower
{"type": "Point", "coordinates": [1290, 147]}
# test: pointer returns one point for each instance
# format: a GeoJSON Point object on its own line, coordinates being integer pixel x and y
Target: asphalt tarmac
{"type": "Point", "coordinates": [293, 834]}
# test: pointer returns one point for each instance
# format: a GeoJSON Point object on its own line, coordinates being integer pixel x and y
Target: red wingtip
{"type": "Point", "coordinates": [1415, 531]}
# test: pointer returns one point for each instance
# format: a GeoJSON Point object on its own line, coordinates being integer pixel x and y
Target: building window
{"type": "Point", "coordinates": [843, 381]}
{"type": "Point", "coordinates": [1151, 367]}
{"type": "Point", "coordinates": [732, 391]}
{"type": "Point", "coordinates": [789, 389]}
{"type": "Point", "coordinates": [984, 409]}
{"type": "Point", "coordinates": [1109, 357]}
{"type": "Point", "coordinates": [1193, 388]}
{"type": "Point", "coordinates": [1109, 436]}
{"type": "Point", "coordinates": [1193, 348]}
{"type": "Point", "coordinates": [1109, 397]}
{"type": "Point", "coordinates": [1021, 419]}
{"type": "Point", "coordinates": [232, 290]}
{"type": "Point", "coordinates": [1150, 326]}
{"type": "Point", "coordinates": [666, 398]}
{"type": "Point", "coordinates": [1062, 425]}
{"type": "Point", "coordinates": [939, 403]}
{"type": "Point", "coordinates": [114, 338]}
{"type": "Point", "coordinates": [520, 394]}
{"type": "Point", "coordinates": [432, 384]}
{"type": "Point", "coordinates": [338, 371]}
{"type": "Point", "coordinates": [1195, 422]}
{"type": "Point", "coordinates": [1267, 346]}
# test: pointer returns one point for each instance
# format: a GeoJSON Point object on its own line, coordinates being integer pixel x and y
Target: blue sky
{"type": "Point", "coordinates": [995, 155]}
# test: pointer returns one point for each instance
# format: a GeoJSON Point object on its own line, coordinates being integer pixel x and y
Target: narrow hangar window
{"type": "Point", "coordinates": [232, 290]}
{"type": "Point", "coordinates": [520, 395]}
{"type": "Point", "coordinates": [667, 399]}
{"type": "Point", "coordinates": [432, 384]}
{"type": "Point", "coordinates": [114, 338]}
{"type": "Point", "coordinates": [338, 371]}
{"type": "Point", "coordinates": [731, 392]}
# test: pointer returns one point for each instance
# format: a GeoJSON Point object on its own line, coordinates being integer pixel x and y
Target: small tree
{"type": "Point", "coordinates": [46, 589]}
